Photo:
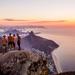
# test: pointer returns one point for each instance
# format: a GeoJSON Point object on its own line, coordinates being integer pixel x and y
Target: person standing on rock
{"type": "Point", "coordinates": [10, 41]}
{"type": "Point", "coordinates": [4, 43]}
{"type": "Point", "coordinates": [13, 37]}
{"type": "Point", "coordinates": [18, 41]}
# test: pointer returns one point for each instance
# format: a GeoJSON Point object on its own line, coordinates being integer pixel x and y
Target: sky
{"type": "Point", "coordinates": [34, 11]}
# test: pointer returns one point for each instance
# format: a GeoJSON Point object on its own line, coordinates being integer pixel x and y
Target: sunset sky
{"type": "Point", "coordinates": [37, 12]}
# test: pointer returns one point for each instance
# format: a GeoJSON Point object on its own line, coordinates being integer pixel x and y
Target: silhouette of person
{"type": "Point", "coordinates": [18, 41]}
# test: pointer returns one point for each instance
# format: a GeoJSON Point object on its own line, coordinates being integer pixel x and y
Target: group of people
{"type": "Point", "coordinates": [11, 41]}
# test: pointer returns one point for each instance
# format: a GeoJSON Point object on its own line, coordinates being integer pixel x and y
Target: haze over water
{"type": "Point", "coordinates": [64, 55]}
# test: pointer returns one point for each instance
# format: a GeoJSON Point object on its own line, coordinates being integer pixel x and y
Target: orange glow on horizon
{"type": "Point", "coordinates": [34, 22]}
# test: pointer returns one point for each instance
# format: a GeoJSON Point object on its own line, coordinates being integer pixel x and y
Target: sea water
{"type": "Point", "coordinates": [64, 56]}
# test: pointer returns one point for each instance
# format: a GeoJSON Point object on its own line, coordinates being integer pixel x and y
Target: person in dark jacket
{"type": "Point", "coordinates": [18, 41]}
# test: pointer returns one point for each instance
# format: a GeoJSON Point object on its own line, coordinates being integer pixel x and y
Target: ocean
{"type": "Point", "coordinates": [64, 55]}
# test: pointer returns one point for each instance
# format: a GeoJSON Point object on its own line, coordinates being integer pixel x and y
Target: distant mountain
{"type": "Point", "coordinates": [40, 43]}
{"type": "Point", "coordinates": [13, 31]}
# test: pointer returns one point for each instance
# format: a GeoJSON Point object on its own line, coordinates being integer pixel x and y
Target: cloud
{"type": "Point", "coordinates": [8, 19]}
{"type": "Point", "coordinates": [54, 21]}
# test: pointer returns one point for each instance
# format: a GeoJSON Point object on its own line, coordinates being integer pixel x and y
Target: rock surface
{"type": "Point", "coordinates": [21, 63]}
